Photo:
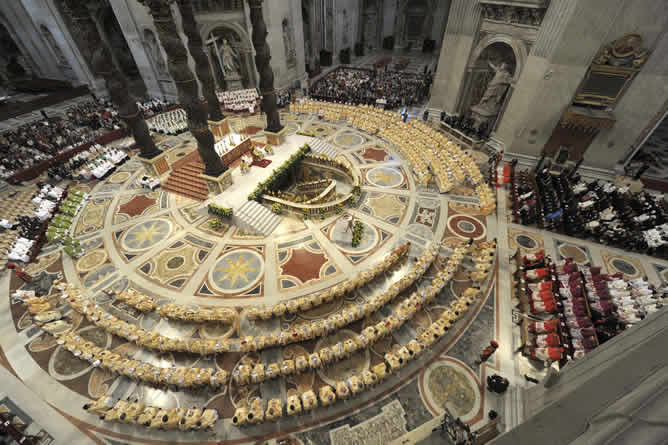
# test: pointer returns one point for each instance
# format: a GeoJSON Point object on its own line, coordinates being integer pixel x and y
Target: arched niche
{"type": "Point", "coordinates": [13, 55]}
{"type": "Point", "coordinates": [491, 51]}
{"type": "Point", "coordinates": [416, 13]}
{"type": "Point", "coordinates": [63, 64]}
{"type": "Point", "coordinates": [230, 53]}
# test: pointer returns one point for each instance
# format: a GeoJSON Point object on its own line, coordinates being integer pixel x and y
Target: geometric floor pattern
{"type": "Point", "coordinates": [162, 244]}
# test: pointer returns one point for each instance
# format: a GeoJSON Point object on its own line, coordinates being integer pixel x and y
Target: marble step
{"type": "Point", "coordinates": [320, 147]}
{"type": "Point", "coordinates": [258, 217]}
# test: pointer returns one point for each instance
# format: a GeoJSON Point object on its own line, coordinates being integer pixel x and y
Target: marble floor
{"type": "Point", "coordinates": [162, 244]}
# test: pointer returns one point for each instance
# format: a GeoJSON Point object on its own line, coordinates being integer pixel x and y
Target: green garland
{"type": "Point", "coordinates": [358, 231]}
{"type": "Point", "coordinates": [280, 177]}
{"type": "Point", "coordinates": [220, 211]}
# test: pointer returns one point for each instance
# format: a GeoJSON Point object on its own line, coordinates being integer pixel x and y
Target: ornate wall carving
{"type": "Point", "coordinates": [513, 14]}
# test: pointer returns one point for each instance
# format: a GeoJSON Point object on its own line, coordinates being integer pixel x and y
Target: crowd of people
{"type": "Point", "coordinates": [598, 210]}
{"type": "Point", "coordinates": [38, 141]}
{"type": "Point", "coordinates": [239, 100]}
{"type": "Point", "coordinates": [360, 86]}
{"type": "Point", "coordinates": [576, 308]}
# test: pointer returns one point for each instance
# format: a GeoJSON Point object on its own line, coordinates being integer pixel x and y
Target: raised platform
{"type": "Point", "coordinates": [237, 194]}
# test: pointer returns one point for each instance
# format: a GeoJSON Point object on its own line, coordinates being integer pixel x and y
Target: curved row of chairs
{"type": "Point", "coordinates": [259, 372]}
{"type": "Point", "coordinates": [134, 333]}
{"type": "Point", "coordinates": [174, 377]}
{"type": "Point", "coordinates": [173, 311]}
{"type": "Point", "coordinates": [343, 317]}
{"type": "Point", "coordinates": [327, 296]}
{"type": "Point", "coordinates": [125, 411]}
{"type": "Point", "coordinates": [296, 403]}
{"type": "Point", "coordinates": [427, 150]}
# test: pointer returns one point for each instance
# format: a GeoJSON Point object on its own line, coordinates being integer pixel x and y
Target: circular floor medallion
{"type": "Point", "coordinates": [571, 251]}
{"type": "Point", "coordinates": [466, 226]}
{"type": "Point", "coordinates": [526, 242]}
{"type": "Point", "coordinates": [146, 234]}
{"type": "Point", "coordinates": [237, 271]}
{"type": "Point", "coordinates": [385, 177]}
{"type": "Point", "coordinates": [448, 381]}
{"type": "Point", "coordinates": [348, 140]}
{"type": "Point", "coordinates": [91, 260]}
{"type": "Point", "coordinates": [624, 266]}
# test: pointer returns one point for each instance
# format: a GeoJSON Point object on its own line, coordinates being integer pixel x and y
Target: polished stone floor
{"type": "Point", "coordinates": [161, 244]}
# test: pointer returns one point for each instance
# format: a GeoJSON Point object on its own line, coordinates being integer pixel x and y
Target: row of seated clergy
{"type": "Point", "coordinates": [248, 372]}
{"type": "Point", "coordinates": [306, 303]}
{"type": "Point", "coordinates": [171, 377]}
{"type": "Point", "coordinates": [134, 333]}
{"type": "Point", "coordinates": [126, 411]}
{"type": "Point", "coordinates": [198, 315]}
{"type": "Point", "coordinates": [483, 258]}
{"type": "Point", "coordinates": [344, 317]}
{"type": "Point", "coordinates": [139, 301]}
{"type": "Point", "coordinates": [342, 390]}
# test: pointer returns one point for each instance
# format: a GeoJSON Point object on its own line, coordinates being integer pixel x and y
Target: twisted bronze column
{"type": "Point", "coordinates": [86, 34]}
{"type": "Point", "coordinates": [186, 85]}
{"type": "Point", "coordinates": [262, 58]}
{"type": "Point", "coordinates": [195, 45]}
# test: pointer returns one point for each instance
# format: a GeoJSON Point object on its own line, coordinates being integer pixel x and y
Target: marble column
{"type": "Point", "coordinates": [400, 24]}
{"type": "Point", "coordinates": [87, 36]}
{"type": "Point", "coordinates": [186, 85]}
{"type": "Point", "coordinates": [432, 5]}
{"type": "Point", "coordinates": [202, 67]}
{"type": "Point", "coordinates": [262, 58]}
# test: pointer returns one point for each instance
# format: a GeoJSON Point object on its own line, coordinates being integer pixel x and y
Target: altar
{"type": "Point", "coordinates": [232, 147]}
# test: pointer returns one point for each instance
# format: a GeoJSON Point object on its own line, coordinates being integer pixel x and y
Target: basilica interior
{"type": "Point", "coordinates": [333, 222]}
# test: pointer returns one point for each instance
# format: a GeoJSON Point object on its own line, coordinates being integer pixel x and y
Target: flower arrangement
{"type": "Point", "coordinates": [220, 211]}
{"type": "Point", "coordinates": [216, 223]}
{"type": "Point", "coordinates": [358, 231]}
{"type": "Point", "coordinates": [277, 208]}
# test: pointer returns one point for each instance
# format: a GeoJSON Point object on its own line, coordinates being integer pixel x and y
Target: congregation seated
{"type": "Point", "coordinates": [362, 86]}
{"type": "Point", "coordinates": [134, 412]}
{"type": "Point", "coordinates": [31, 143]}
{"type": "Point", "coordinates": [239, 100]}
{"type": "Point", "coordinates": [171, 122]}
{"type": "Point", "coordinates": [598, 210]}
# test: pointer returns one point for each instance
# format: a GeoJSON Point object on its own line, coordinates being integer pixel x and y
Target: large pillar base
{"type": "Point", "coordinates": [219, 128]}
{"type": "Point", "coordinates": [218, 184]}
{"type": "Point", "coordinates": [276, 139]}
{"type": "Point", "coordinates": [155, 166]}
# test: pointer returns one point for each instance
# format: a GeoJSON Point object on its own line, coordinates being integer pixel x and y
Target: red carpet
{"type": "Point", "coordinates": [263, 163]}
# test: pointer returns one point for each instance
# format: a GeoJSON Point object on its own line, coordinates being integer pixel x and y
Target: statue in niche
{"type": "Point", "coordinates": [496, 89]}
{"type": "Point", "coordinates": [231, 60]}
{"type": "Point", "coordinates": [154, 52]}
{"type": "Point", "coordinates": [289, 44]}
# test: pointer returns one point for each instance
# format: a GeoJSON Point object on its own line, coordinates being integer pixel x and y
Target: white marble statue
{"type": "Point", "coordinates": [231, 60]}
{"type": "Point", "coordinates": [496, 89]}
